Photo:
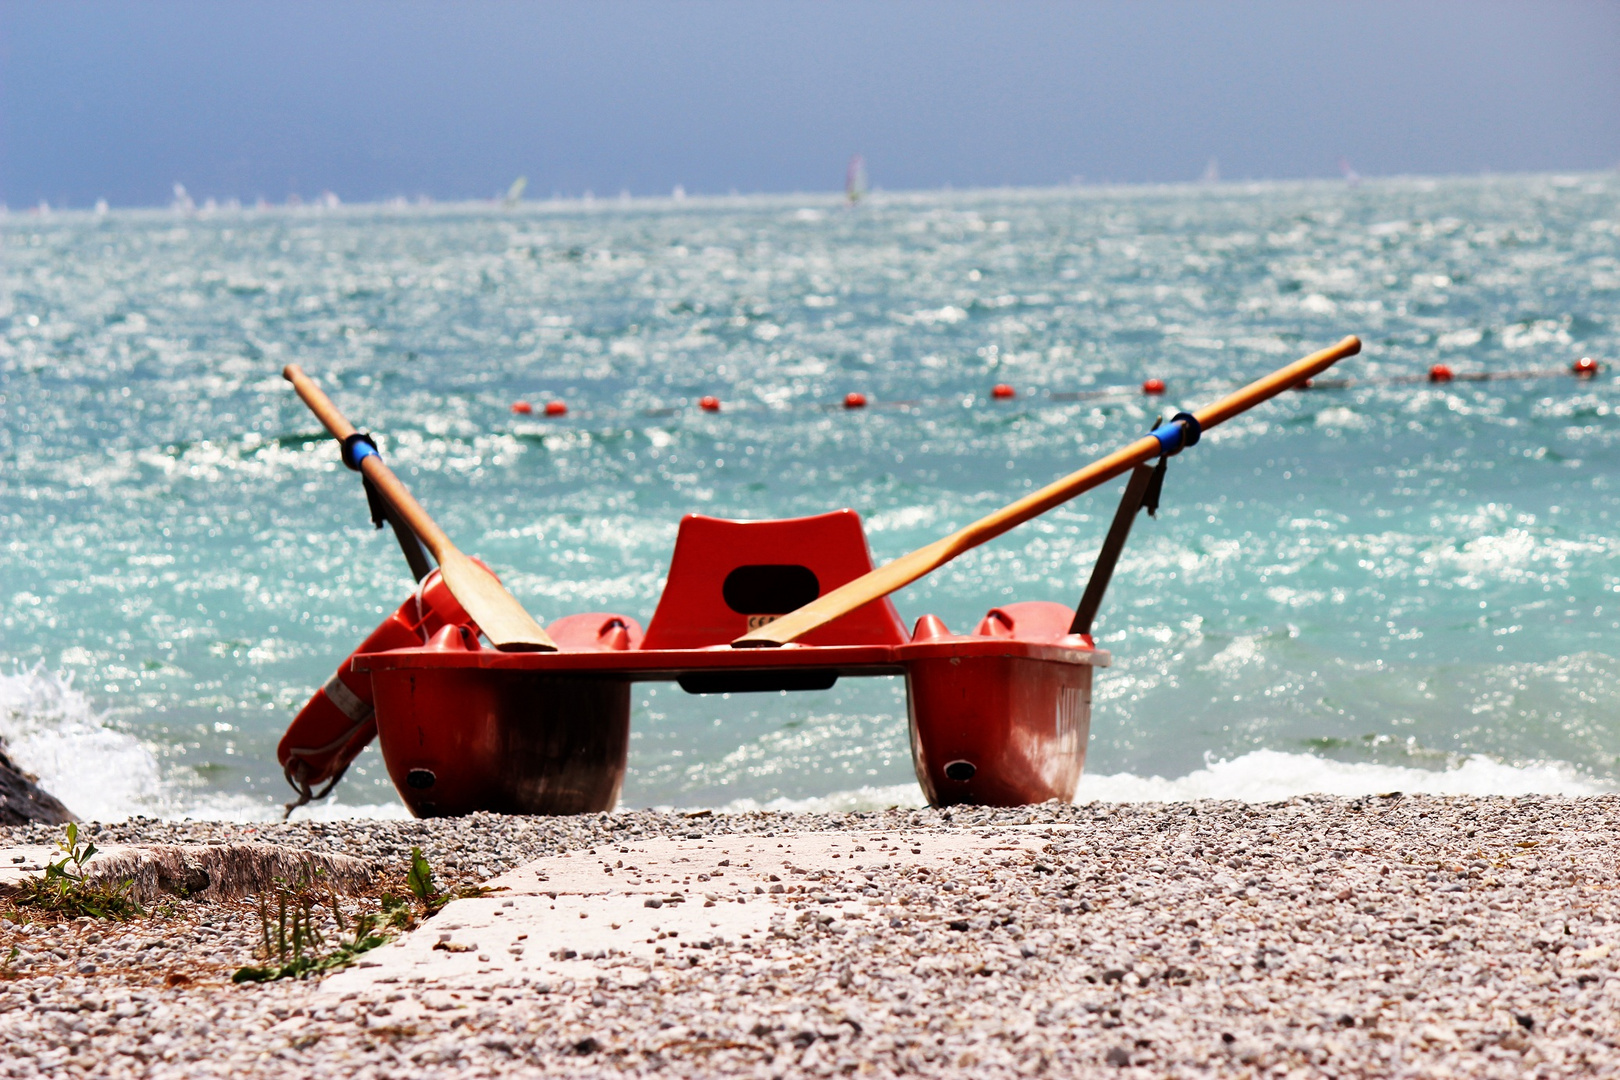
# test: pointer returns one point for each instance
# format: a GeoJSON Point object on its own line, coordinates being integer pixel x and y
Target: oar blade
{"type": "Point", "coordinates": [497, 612]}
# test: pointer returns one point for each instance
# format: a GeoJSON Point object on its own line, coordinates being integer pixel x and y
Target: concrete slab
{"type": "Point", "coordinates": [25, 861]}
{"type": "Point", "coordinates": [617, 915]}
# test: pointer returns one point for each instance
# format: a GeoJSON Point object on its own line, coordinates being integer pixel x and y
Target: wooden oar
{"type": "Point", "coordinates": [908, 568]}
{"type": "Point", "coordinates": [496, 611]}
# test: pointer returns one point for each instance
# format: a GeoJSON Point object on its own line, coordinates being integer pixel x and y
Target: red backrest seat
{"type": "Point", "coordinates": [726, 577]}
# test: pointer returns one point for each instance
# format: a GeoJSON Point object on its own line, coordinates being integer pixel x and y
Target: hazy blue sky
{"type": "Point", "coordinates": [454, 100]}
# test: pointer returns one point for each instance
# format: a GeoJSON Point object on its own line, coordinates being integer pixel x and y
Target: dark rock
{"type": "Point", "coordinates": [189, 880]}
{"type": "Point", "coordinates": [23, 801]}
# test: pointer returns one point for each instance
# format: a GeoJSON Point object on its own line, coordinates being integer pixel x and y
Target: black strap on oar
{"type": "Point", "coordinates": [1155, 488]}
{"type": "Point", "coordinates": [356, 448]}
{"type": "Point", "coordinates": [1142, 492]}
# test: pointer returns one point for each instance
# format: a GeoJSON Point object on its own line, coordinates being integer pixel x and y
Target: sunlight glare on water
{"type": "Point", "coordinates": [1412, 577]}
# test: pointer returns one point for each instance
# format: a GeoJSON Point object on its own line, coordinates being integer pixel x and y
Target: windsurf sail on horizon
{"type": "Point", "coordinates": [1351, 177]}
{"type": "Point", "coordinates": [855, 180]}
{"type": "Point", "coordinates": [514, 194]}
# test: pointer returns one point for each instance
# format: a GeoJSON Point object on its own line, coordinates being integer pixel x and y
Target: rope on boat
{"type": "Point", "coordinates": [1584, 368]}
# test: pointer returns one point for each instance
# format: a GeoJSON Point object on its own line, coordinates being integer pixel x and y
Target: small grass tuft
{"type": "Point", "coordinates": [68, 891]}
{"type": "Point", "coordinates": [293, 941]}
{"type": "Point", "coordinates": [290, 919]}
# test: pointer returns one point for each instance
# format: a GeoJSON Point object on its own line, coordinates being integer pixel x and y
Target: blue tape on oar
{"type": "Point", "coordinates": [1182, 431]}
{"type": "Point", "coordinates": [358, 447]}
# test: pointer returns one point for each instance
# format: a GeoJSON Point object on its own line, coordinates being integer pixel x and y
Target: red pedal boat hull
{"type": "Point", "coordinates": [998, 730]}
{"type": "Point", "coordinates": [998, 717]}
{"type": "Point", "coordinates": [460, 740]}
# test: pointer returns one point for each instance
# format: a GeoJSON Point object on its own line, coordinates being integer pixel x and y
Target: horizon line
{"type": "Point", "coordinates": [186, 207]}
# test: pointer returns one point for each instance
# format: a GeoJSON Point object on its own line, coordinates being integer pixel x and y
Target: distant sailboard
{"type": "Point", "coordinates": [855, 180]}
{"type": "Point", "coordinates": [514, 194]}
{"type": "Point", "coordinates": [1351, 177]}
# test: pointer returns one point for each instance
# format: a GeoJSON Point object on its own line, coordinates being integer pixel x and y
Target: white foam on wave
{"type": "Point", "coordinates": [1258, 776]}
{"type": "Point", "coordinates": [1268, 775]}
{"type": "Point", "coordinates": [839, 802]}
{"type": "Point", "coordinates": [215, 806]}
{"type": "Point", "coordinates": [52, 730]}
{"type": "Point", "coordinates": [104, 774]}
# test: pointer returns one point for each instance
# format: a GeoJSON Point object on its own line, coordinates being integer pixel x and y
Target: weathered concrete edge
{"type": "Point", "coordinates": [200, 871]}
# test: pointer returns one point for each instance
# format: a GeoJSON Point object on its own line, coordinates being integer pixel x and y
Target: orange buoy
{"type": "Point", "coordinates": [1153, 386]}
{"type": "Point", "coordinates": [1585, 367]}
{"type": "Point", "coordinates": [853, 400]}
{"type": "Point", "coordinates": [556, 408]}
{"type": "Point", "coordinates": [1440, 373]}
{"type": "Point", "coordinates": [1002, 392]}
{"type": "Point", "coordinates": [709, 403]}
{"type": "Point", "coordinates": [522, 408]}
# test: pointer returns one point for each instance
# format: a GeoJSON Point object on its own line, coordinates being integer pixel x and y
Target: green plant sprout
{"type": "Point", "coordinates": [290, 936]}
{"type": "Point", "coordinates": [420, 881]}
{"type": "Point", "coordinates": [70, 892]}
{"type": "Point", "coordinates": [293, 939]}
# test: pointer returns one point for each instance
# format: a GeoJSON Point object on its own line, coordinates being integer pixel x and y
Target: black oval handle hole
{"type": "Point", "coordinates": [769, 588]}
{"type": "Point", "coordinates": [960, 770]}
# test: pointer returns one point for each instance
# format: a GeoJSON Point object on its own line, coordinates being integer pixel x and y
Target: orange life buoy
{"type": "Point", "coordinates": [338, 722]}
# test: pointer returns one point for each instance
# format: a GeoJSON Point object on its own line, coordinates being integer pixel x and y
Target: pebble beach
{"type": "Point", "coordinates": [1382, 936]}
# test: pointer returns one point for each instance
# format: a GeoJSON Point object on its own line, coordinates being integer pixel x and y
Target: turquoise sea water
{"type": "Point", "coordinates": [1346, 589]}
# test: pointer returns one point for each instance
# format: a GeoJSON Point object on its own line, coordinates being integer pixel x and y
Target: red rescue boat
{"type": "Point", "coordinates": [999, 716]}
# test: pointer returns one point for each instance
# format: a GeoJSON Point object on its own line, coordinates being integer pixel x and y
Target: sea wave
{"type": "Point", "coordinates": [839, 802]}
{"type": "Point", "coordinates": [102, 773]}
{"type": "Point", "coordinates": [52, 730]}
{"type": "Point", "coordinates": [1266, 775]}
{"type": "Point", "coordinates": [1260, 776]}
{"type": "Point", "coordinates": [245, 808]}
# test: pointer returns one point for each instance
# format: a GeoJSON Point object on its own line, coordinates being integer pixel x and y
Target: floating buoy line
{"type": "Point", "coordinates": [1584, 368]}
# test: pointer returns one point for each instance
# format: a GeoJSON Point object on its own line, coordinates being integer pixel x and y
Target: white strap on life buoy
{"type": "Point", "coordinates": [346, 700]}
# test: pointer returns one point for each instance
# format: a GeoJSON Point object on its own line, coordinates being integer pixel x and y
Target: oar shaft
{"type": "Point", "coordinates": [1145, 449]}
{"type": "Point", "coordinates": [372, 467]}
{"type": "Point", "coordinates": [487, 602]}
{"type": "Point", "coordinates": [908, 568]}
